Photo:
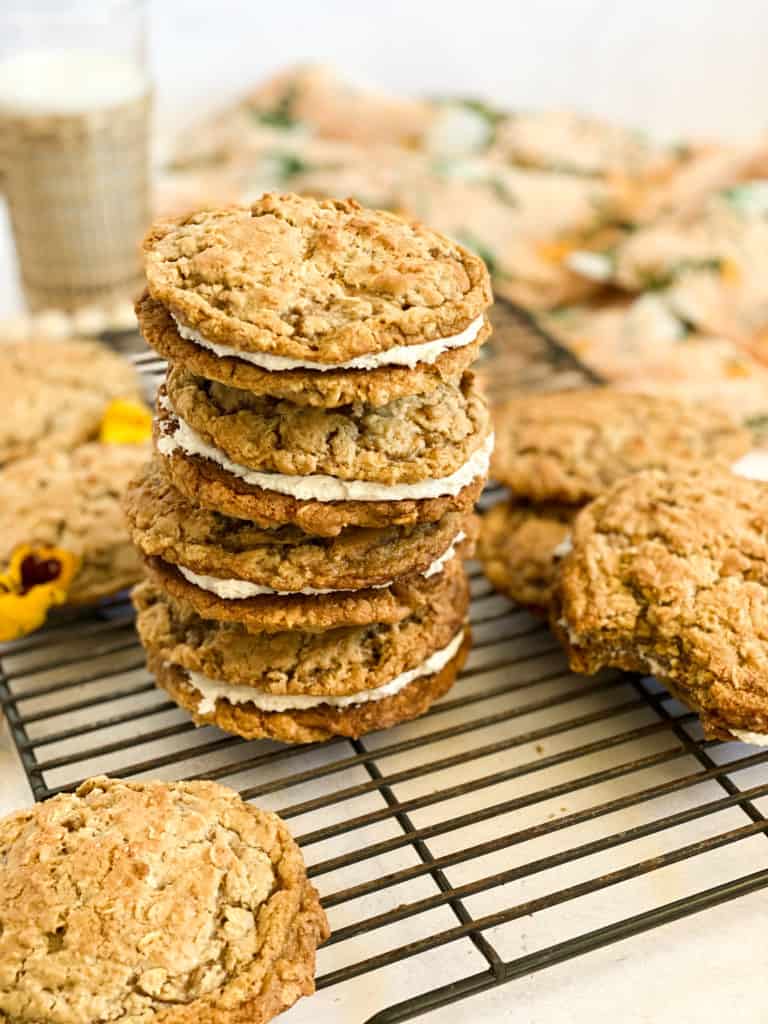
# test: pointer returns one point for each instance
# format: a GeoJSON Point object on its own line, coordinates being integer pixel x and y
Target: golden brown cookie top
{"type": "Point", "coordinates": [318, 280]}
{"type": "Point", "coordinates": [669, 574]}
{"type": "Point", "coordinates": [151, 901]}
{"type": "Point", "coordinates": [569, 446]}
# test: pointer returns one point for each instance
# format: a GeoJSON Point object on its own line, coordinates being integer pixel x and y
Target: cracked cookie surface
{"type": "Point", "coordinates": [316, 280]}
{"type": "Point", "coordinates": [334, 662]}
{"type": "Point", "coordinates": [167, 525]}
{"type": "Point", "coordinates": [669, 576]}
{"type": "Point", "coordinates": [568, 447]}
{"type": "Point", "coordinates": [327, 388]}
{"type": "Point", "coordinates": [517, 549]}
{"type": "Point", "coordinates": [72, 500]}
{"type": "Point", "coordinates": [153, 901]}
{"type": "Point", "coordinates": [421, 437]}
{"type": "Point", "coordinates": [54, 394]}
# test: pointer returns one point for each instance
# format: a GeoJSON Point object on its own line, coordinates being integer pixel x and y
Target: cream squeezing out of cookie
{"type": "Point", "coordinates": [211, 690]}
{"type": "Point", "coordinates": [318, 486]}
{"type": "Point", "coordinates": [234, 590]}
{"type": "Point", "coordinates": [399, 355]}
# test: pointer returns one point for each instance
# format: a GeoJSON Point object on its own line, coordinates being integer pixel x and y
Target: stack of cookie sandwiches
{"type": "Point", "coordinates": [557, 452]}
{"type": "Point", "coordinates": [319, 448]}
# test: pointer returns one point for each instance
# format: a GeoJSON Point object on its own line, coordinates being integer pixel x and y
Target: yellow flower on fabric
{"type": "Point", "coordinates": [730, 272]}
{"type": "Point", "coordinates": [37, 578]}
{"type": "Point", "coordinates": [125, 422]}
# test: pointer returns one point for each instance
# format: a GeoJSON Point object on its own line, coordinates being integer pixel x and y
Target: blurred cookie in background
{"type": "Point", "coordinates": [556, 452]}
{"type": "Point", "coordinates": [54, 395]}
{"type": "Point", "coordinates": [63, 538]}
{"type": "Point", "coordinates": [641, 345]}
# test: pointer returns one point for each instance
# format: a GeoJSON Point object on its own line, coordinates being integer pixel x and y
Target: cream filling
{"type": "Point", "coordinates": [318, 486]}
{"type": "Point", "coordinates": [757, 739]}
{"type": "Point", "coordinates": [753, 466]}
{"type": "Point", "coordinates": [211, 690]}
{"type": "Point", "coordinates": [399, 355]}
{"type": "Point", "coordinates": [565, 547]}
{"type": "Point", "coordinates": [235, 590]}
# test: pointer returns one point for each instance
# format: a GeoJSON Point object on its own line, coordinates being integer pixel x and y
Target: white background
{"type": "Point", "coordinates": [675, 67]}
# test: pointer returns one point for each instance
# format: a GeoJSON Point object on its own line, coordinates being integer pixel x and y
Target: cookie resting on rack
{"type": "Point", "coordinates": [669, 576]}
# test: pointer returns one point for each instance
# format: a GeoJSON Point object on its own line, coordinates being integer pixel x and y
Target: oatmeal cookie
{"type": "Point", "coordinates": [316, 280]}
{"type": "Point", "coordinates": [335, 662]}
{"type": "Point", "coordinates": [568, 447]}
{"type": "Point", "coordinates": [71, 501]}
{"type": "Point", "coordinates": [321, 722]}
{"type": "Point", "coordinates": [202, 480]}
{"type": "Point", "coordinates": [519, 548]}
{"type": "Point", "coordinates": [669, 576]}
{"type": "Point", "coordinates": [54, 394]}
{"type": "Point", "coordinates": [153, 901]}
{"type": "Point", "coordinates": [421, 437]}
{"type": "Point", "coordinates": [326, 388]}
{"type": "Point", "coordinates": [270, 613]}
{"type": "Point", "coordinates": [166, 525]}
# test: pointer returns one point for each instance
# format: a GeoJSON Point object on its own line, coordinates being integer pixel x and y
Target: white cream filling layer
{"type": "Point", "coordinates": [318, 486]}
{"type": "Point", "coordinates": [757, 739]}
{"type": "Point", "coordinates": [753, 465]}
{"type": "Point", "coordinates": [235, 590]}
{"type": "Point", "coordinates": [565, 547]}
{"type": "Point", "coordinates": [212, 690]}
{"type": "Point", "coordinates": [399, 355]}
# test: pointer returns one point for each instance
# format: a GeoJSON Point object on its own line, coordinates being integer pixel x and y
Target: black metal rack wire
{"type": "Point", "coordinates": [474, 842]}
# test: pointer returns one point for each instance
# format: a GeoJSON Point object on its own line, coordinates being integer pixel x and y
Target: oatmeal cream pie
{"type": "Point", "coordinates": [153, 902]}
{"type": "Point", "coordinates": [269, 613]}
{"type": "Point", "coordinates": [297, 686]}
{"type": "Point", "coordinates": [235, 558]}
{"type": "Point", "coordinates": [438, 362]}
{"type": "Point", "coordinates": [317, 286]}
{"type": "Point", "coordinates": [556, 451]}
{"type": "Point", "coordinates": [669, 575]}
{"type": "Point", "coordinates": [72, 501]}
{"type": "Point", "coordinates": [259, 458]}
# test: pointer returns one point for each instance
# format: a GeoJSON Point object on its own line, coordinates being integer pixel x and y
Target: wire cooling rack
{"type": "Point", "coordinates": [530, 817]}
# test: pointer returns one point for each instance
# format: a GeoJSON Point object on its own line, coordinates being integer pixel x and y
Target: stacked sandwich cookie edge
{"type": "Point", "coordinates": [319, 447]}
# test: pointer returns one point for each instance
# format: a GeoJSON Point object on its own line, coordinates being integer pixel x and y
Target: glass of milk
{"type": "Point", "coordinates": [75, 103]}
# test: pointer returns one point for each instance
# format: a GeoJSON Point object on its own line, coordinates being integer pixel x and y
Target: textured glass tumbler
{"type": "Point", "coordinates": [75, 104]}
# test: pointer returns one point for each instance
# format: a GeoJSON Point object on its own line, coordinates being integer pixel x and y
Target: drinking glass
{"type": "Point", "coordinates": [75, 101]}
